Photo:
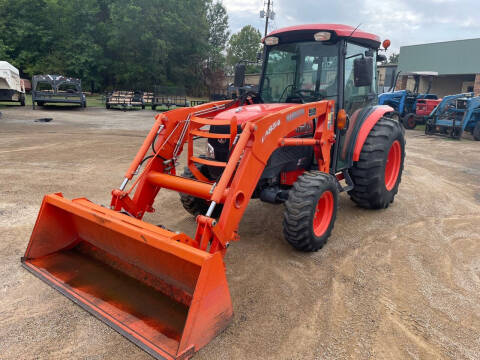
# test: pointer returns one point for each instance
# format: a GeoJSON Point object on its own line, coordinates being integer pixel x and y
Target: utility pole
{"type": "Point", "coordinates": [267, 16]}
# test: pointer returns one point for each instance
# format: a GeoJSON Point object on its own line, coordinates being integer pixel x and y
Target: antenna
{"type": "Point", "coordinates": [350, 36]}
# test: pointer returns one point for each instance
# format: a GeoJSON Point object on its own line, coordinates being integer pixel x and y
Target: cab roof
{"type": "Point", "coordinates": [296, 33]}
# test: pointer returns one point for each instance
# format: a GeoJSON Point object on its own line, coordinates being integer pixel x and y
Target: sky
{"type": "Point", "coordinates": [404, 22]}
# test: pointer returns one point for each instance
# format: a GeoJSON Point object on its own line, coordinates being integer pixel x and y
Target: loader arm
{"type": "Point", "coordinates": [249, 155]}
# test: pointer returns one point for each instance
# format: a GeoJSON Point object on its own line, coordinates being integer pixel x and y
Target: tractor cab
{"type": "Point", "coordinates": [317, 62]}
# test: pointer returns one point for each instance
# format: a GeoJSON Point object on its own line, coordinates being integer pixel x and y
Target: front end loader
{"type": "Point", "coordinates": [311, 132]}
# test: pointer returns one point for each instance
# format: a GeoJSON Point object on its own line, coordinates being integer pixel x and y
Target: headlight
{"type": "Point", "coordinates": [210, 151]}
{"type": "Point", "coordinates": [271, 40]}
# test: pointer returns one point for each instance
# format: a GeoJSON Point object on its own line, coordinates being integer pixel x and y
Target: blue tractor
{"type": "Point", "coordinates": [405, 101]}
{"type": "Point", "coordinates": [455, 115]}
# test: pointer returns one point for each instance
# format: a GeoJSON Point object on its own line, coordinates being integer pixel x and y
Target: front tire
{"type": "Point", "coordinates": [378, 172]}
{"type": "Point", "coordinates": [409, 121]}
{"type": "Point", "coordinates": [310, 211]}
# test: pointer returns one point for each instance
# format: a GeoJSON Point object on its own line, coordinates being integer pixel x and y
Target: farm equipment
{"type": "Point", "coordinates": [125, 99]}
{"type": "Point", "coordinates": [455, 115]}
{"type": "Point", "coordinates": [57, 89]}
{"type": "Point", "coordinates": [311, 132]}
{"type": "Point", "coordinates": [405, 101]}
{"type": "Point", "coordinates": [12, 88]}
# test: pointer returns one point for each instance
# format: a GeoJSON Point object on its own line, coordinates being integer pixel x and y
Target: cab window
{"type": "Point", "coordinates": [358, 97]}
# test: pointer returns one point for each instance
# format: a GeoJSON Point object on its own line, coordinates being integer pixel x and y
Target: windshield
{"type": "Point", "coordinates": [301, 72]}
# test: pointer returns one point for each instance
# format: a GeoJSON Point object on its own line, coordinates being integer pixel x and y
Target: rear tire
{"type": "Point", "coordinates": [409, 121]}
{"type": "Point", "coordinates": [377, 174]}
{"type": "Point", "coordinates": [194, 205]}
{"type": "Point", "coordinates": [310, 211]}
{"type": "Point", "coordinates": [476, 131]}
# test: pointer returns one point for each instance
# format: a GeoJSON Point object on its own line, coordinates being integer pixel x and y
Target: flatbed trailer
{"type": "Point", "coordinates": [57, 89]}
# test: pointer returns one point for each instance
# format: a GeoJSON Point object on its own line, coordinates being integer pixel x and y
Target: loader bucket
{"type": "Point", "coordinates": [167, 297]}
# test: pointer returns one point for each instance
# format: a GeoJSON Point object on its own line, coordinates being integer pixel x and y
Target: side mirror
{"type": "Point", "coordinates": [363, 71]}
{"type": "Point", "coordinates": [239, 78]}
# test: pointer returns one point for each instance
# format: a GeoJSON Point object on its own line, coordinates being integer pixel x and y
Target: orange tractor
{"type": "Point", "coordinates": [312, 131]}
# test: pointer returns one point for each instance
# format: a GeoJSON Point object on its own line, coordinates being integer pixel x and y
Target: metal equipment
{"type": "Point", "coordinates": [12, 88]}
{"type": "Point", "coordinates": [125, 99]}
{"type": "Point", "coordinates": [169, 96]}
{"type": "Point", "coordinates": [312, 131]}
{"type": "Point", "coordinates": [405, 101]}
{"type": "Point", "coordinates": [57, 89]}
{"type": "Point", "coordinates": [455, 115]}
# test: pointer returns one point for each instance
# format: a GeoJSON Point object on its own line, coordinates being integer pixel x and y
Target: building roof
{"type": "Point", "coordinates": [447, 58]}
{"type": "Point", "coordinates": [339, 29]}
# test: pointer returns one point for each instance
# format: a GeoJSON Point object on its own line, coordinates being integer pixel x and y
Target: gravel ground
{"type": "Point", "coordinates": [401, 283]}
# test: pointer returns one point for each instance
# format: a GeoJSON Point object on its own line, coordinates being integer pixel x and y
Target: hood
{"type": "Point", "coordinates": [251, 112]}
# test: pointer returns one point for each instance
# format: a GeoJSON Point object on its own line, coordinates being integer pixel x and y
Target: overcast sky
{"type": "Point", "coordinates": [404, 22]}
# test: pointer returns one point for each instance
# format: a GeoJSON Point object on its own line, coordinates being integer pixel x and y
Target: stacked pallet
{"type": "Point", "coordinates": [148, 98]}
{"type": "Point", "coordinates": [123, 98]}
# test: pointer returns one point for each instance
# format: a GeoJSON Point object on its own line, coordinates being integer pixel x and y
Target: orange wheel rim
{"type": "Point", "coordinates": [411, 121]}
{"type": "Point", "coordinates": [323, 213]}
{"type": "Point", "coordinates": [392, 168]}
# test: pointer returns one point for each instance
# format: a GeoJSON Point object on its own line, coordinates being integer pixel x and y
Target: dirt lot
{"type": "Point", "coordinates": [393, 284]}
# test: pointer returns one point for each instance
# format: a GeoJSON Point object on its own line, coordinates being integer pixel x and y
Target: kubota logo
{"type": "Point", "coordinates": [270, 129]}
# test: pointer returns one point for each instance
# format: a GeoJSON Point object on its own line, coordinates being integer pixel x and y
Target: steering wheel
{"type": "Point", "coordinates": [308, 93]}
{"type": "Point", "coordinates": [284, 91]}
{"type": "Point", "coordinates": [251, 97]}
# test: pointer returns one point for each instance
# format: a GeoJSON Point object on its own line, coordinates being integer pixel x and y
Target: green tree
{"type": "Point", "coordinates": [218, 33]}
{"type": "Point", "coordinates": [244, 46]}
{"type": "Point", "coordinates": [393, 59]}
{"type": "Point", "coordinates": [112, 43]}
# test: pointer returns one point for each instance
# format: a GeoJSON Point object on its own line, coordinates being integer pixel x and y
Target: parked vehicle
{"type": "Point", "coordinates": [405, 101]}
{"type": "Point", "coordinates": [11, 87]}
{"type": "Point", "coordinates": [312, 131]}
{"type": "Point", "coordinates": [57, 89]}
{"type": "Point", "coordinates": [455, 115]}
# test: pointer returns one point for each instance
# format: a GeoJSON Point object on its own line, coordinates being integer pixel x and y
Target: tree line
{"type": "Point", "coordinates": [124, 43]}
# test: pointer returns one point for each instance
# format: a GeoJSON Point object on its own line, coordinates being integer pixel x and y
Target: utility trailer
{"type": "Point", "coordinates": [125, 99]}
{"type": "Point", "coordinates": [308, 135]}
{"type": "Point", "coordinates": [167, 96]}
{"type": "Point", "coordinates": [57, 89]}
{"type": "Point", "coordinates": [12, 88]}
{"type": "Point", "coordinates": [454, 115]}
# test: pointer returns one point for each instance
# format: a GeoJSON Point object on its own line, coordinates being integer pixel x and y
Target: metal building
{"type": "Point", "coordinates": [457, 63]}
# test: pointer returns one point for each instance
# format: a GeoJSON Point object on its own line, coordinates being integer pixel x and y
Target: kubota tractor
{"type": "Point", "coordinates": [312, 131]}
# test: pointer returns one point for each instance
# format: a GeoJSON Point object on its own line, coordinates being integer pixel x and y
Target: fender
{"type": "Point", "coordinates": [366, 125]}
{"type": "Point", "coordinates": [361, 122]}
